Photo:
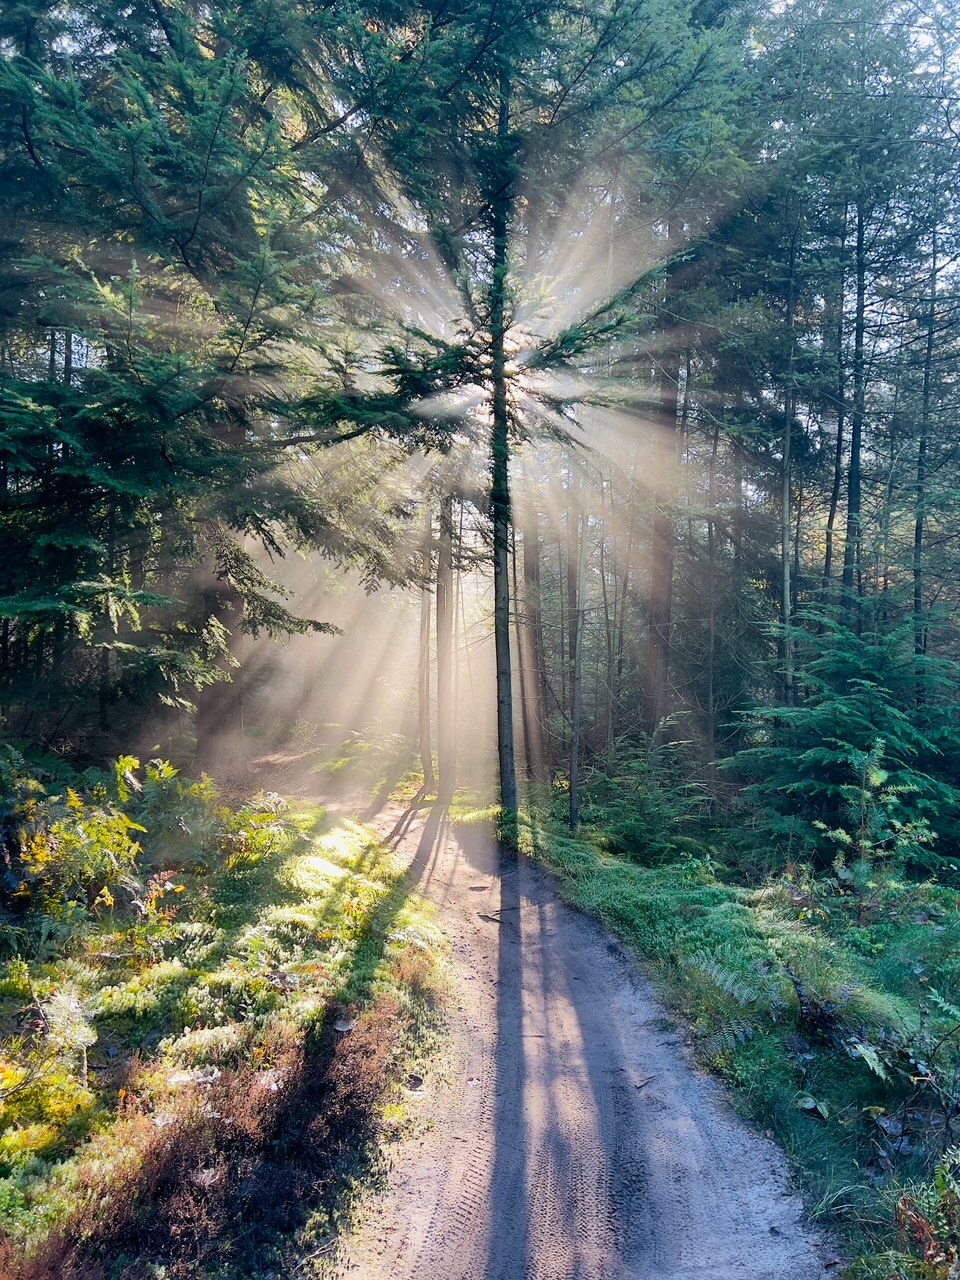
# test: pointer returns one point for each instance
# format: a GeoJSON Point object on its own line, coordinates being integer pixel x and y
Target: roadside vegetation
{"type": "Point", "coordinates": [825, 990]}
{"type": "Point", "coordinates": [206, 1013]}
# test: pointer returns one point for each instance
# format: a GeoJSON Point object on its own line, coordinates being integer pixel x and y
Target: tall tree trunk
{"type": "Point", "coordinates": [576, 703]}
{"type": "Point", "coordinates": [531, 649]}
{"type": "Point", "coordinates": [446, 738]}
{"type": "Point", "coordinates": [500, 451]}
{"type": "Point", "coordinates": [657, 657]}
{"type": "Point", "coordinates": [609, 600]}
{"type": "Point", "coordinates": [574, 498]}
{"type": "Point", "coordinates": [789, 408]}
{"type": "Point", "coordinates": [425, 665]}
{"type": "Point", "coordinates": [841, 401]}
{"type": "Point", "coordinates": [219, 725]}
{"type": "Point", "coordinates": [851, 550]}
{"type": "Point", "coordinates": [626, 581]}
{"type": "Point", "coordinates": [919, 625]}
{"type": "Point", "coordinates": [219, 717]}
{"type": "Point", "coordinates": [522, 677]}
{"type": "Point", "coordinates": [711, 695]}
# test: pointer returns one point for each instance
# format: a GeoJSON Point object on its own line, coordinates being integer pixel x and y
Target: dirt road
{"type": "Point", "coordinates": [566, 1135]}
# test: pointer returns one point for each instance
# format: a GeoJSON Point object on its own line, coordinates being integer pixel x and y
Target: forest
{"type": "Point", "coordinates": [537, 418]}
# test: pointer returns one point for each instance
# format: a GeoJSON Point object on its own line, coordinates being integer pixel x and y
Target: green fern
{"type": "Point", "coordinates": [729, 1037]}
{"type": "Point", "coordinates": [729, 982]}
{"type": "Point", "coordinates": [943, 1005]}
{"type": "Point", "coordinates": [758, 989]}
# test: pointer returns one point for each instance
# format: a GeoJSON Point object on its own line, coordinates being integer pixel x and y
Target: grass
{"type": "Point", "coordinates": [214, 1069]}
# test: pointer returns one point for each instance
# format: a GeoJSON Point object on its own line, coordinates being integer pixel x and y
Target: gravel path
{"type": "Point", "coordinates": [566, 1134]}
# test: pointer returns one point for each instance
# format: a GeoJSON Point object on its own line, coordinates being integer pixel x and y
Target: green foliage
{"type": "Point", "coordinates": [166, 343]}
{"type": "Point", "coordinates": [266, 922]}
{"type": "Point", "coordinates": [645, 806]}
{"type": "Point", "coordinates": [854, 764]}
{"type": "Point", "coordinates": [820, 1006]}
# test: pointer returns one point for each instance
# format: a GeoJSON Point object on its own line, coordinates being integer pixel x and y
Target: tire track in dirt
{"type": "Point", "coordinates": [566, 1134]}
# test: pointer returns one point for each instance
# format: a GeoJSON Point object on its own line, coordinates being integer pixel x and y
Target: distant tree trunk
{"type": "Point", "coordinates": [711, 696]}
{"type": "Point", "coordinates": [425, 665]}
{"type": "Point", "coordinates": [789, 406]}
{"type": "Point", "coordinates": [919, 624]}
{"type": "Point", "coordinates": [219, 724]}
{"type": "Point", "coordinates": [841, 401]}
{"type": "Point", "coordinates": [574, 498]}
{"type": "Point", "coordinates": [518, 624]}
{"type": "Point", "coordinates": [500, 487]}
{"type": "Point", "coordinates": [531, 649]}
{"type": "Point", "coordinates": [626, 587]}
{"type": "Point", "coordinates": [797, 529]}
{"type": "Point", "coordinates": [609, 617]}
{"type": "Point", "coordinates": [576, 704]}
{"type": "Point", "coordinates": [851, 550]}
{"type": "Point", "coordinates": [219, 717]}
{"type": "Point", "coordinates": [446, 737]}
{"type": "Point", "coordinates": [657, 658]}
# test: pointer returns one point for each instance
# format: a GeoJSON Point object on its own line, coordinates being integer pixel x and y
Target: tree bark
{"type": "Point", "coordinates": [531, 649]}
{"type": "Point", "coordinates": [711, 696]}
{"type": "Point", "coordinates": [576, 702]}
{"type": "Point", "coordinates": [841, 399]}
{"type": "Point", "coordinates": [919, 624]}
{"type": "Point", "coordinates": [657, 657]}
{"type": "Point", "coordinates": [446, 737]}
{"type": "Point", "coordinates": [851, 550]}
{"type": "Point", "coordinates": [789, 406]}
{"type": "Point", "coordinates": [424, 670]}
{"type": "Point", "coordinates": [500, 460]}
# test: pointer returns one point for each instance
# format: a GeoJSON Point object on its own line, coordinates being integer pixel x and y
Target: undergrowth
{"type": "Point", "coordinates": [203, 1010]}
{"type": "Point", "coordinates": [828, 1000]}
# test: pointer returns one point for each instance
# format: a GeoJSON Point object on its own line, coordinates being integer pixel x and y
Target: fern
{"type": "Point", "coordinates": [728, 1037]}
{"type": "Point", "coordinates": [759, 989]}
{"type": "Point", "coordinates": [730, 982]}
{"type": "Point", "coordinates": [943, 1005]}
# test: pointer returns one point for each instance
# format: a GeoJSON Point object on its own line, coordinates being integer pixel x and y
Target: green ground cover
{"type": "Point", "coordinates": [185, 984]}
{"type": "Point", "coordinates": [829, 1002]}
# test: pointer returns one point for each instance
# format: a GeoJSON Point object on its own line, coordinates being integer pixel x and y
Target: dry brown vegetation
{"type": "Point", "coordinates": [229, 1166]}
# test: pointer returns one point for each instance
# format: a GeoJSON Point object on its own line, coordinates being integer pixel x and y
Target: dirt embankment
{"type": "Point", "coordinates": [566, 1135]}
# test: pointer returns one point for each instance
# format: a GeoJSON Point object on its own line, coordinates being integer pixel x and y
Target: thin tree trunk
{"type": "Point", "coordinates": [424, 671]}
{"type": "Point", "coordinates": [609, 617]}
{"type": "Point", "coordinates": [625, 587]}
{"type": "Point", "coordinates": [657, 656]}
{"type": "Point", "coordinates": [851, 550]}
{"type": "Point", "coordinates": [500, 487]}
{"type": "Point", "coordinates": [919, 625]}
{"type": "Point", "coordinates": [841, 397]}
{"type": "Point", "coordinates": [218, 720]}
{"type": "Point", "coordinates": [797, 527]}
{"type": "Point", "coordinates": [446, 739]}
{"type": "Point", "coordinates": [576, 709]}
{"type": "Point", "coordinates": [789, 403]}
{"type": "Point", "coordinates": [531, 649]}
{"type": "Point", "coordinates": [522, 677]}
{"type": "Point", "coordinates": [219, 717]}
{"type": "Point", "coordinates": [574, 498]}
{"type": "Point", "coordinates": [711, 697]}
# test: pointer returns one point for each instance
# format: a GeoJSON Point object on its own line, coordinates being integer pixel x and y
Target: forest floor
{"type": "Point", "coordinates": [565, 1133]}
